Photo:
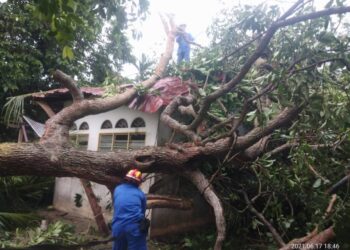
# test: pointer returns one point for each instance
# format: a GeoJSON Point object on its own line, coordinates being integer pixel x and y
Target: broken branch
{"type": "Point", "coordinates": [70, 84]}
{"type": "Point", "coordinates": [204, 187]}
{"type": "Point", "coordinates": [262, 218]}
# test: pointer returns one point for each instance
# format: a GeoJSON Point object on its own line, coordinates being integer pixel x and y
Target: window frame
{"type": "Point", "coordinates": [121, 120]}
{"type": "Point", "coordinates": [79, 128]}
{"type": "Point", "coordinates": [114, 133]}
{"type": "Point", "coordinates": [104, 122]}
{"type": "Point", "coordinates": [76, 134]}
{"type": "Point", "coordinates": [132, 125]}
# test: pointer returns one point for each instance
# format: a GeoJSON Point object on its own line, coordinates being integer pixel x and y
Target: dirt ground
{"type": "Point", "coordinates": [87, 228]}
{"type": "Point", "coordinates": [81, 225]}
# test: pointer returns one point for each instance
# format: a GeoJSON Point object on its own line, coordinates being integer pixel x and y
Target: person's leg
{"type": "Point", "coordinates": [180, 56]}
{"type": "Point", "coordinates": [136, 240]}
{"type": "Point", "coordinates": [186, 55]}
{"type": "Point", "coordinates": [120, 243]}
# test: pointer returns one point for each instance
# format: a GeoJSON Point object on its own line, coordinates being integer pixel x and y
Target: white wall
{"type": "Point", "coordinates": [67, 188]}
{"type": "Point", "coordinates": [95, 122]}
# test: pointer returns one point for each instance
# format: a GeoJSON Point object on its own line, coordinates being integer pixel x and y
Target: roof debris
{"type": "Point", "coordinates": [161, 94]}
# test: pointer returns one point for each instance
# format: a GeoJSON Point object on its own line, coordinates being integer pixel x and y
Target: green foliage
{"type": "Point", "coordinates": [11, 221]}
{"type": "Point", "coordinates": [144, 67]}
{"type": "Point", "coordinates": [39, 32]}
{"type": "Point", "coordinates": [14, 109]}
{"type": "Point", "coordinates": [19, 196]}
{"type": "Point", "coordinates": [20, 193]}
{"type": "Point", "coordinates": [85, 39]}
{"type": "Point", "coordinates": [56, 233]}
{"type": "Point", "coordinates": [200, 241]}
{"type": "Point", "coordinates": [308, 64]}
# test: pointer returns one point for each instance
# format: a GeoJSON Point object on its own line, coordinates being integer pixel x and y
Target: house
{"type": "Point", "coordinates": [124, 128]}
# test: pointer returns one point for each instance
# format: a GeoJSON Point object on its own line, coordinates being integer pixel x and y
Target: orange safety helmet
{"type": "Point", "coordinates": [134, 175]}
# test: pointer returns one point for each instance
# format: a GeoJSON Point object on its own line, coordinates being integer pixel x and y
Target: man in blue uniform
{"type": "Point", "coordinates": [184, 40]}
{"type": "Point", "coordinates": [129, 212]}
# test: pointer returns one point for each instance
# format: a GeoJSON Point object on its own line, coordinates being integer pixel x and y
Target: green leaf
{"type": "Point", "coordinates": [251, 115]}
{"type": "Point", "coordinates": [67, 53]}
{"type": "Point", "coordinates": [53, 23]}
{"type": "Point", "coordinates": [72, 4]}
{"type": "Point", "coordinates": [317, 183]}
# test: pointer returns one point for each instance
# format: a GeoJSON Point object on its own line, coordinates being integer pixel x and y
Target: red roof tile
{"type": "Point", "coordinates": [161, 94]}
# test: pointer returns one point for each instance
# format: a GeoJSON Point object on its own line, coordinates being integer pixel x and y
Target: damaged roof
{"type": "Point", "coordinates": [58, 93]}
{"type": "Point", "coordinates": [161, 94]}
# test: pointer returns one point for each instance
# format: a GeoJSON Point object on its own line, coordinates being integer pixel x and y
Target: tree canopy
{"type": "Point", "coordinates": [86, 39]}
{"type": "Point", "coordinates": [267, 133]}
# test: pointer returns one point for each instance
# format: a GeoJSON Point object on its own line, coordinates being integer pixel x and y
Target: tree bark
{"type": "Point", "coordinates": [312, 241]}
{"type": "Point", "coordinates": [162, 201]}
{"type": "Point", "coordinates": [50, 159]}
{"type": "Point", "coordinates": [95, 207]}
{"type": "Point", "coordinates": [206, 189]}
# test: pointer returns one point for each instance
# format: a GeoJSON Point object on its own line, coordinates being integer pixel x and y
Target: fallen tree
{"type": "Point", "coordinates": [54, 156]}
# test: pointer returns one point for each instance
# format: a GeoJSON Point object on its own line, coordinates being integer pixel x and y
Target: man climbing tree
{"type": "Point", "coordinates": [184, 41]}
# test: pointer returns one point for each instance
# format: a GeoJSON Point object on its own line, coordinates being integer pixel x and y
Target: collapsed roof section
{"type": "Point", "coordinates": [63, 93]}
{"type": "Point", "coordinates": [161, 94]}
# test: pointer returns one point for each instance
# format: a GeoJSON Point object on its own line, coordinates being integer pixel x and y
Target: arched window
{"type": "Point", "coordinates": [106, 124]}
{"type": "Point", "coordinates": [122, 123]}
{"type": "Point", "coordinates": [138, 123]}
{"type": "Point", "coordinates": [74, 127]}
{"type": "Point", "coordinates": [84, 126]}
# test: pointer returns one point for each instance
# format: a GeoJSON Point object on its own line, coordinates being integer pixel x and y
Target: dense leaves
{"type": "Point", "coordinates": [308, 64]}
{"type": "Point", "coordinates": [20, 196]}
{"type": "Point", "coordinates": [57, 233]}
{"type": "Point", "coordinates": [85, 39]}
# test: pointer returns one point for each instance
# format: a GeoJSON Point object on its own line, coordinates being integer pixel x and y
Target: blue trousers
{"type": "Point", "coordinates": [128, 237]}
{"type": "Point", "coordinates": [183, 54]}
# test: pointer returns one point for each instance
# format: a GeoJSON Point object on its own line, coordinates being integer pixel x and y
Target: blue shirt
{"type": "Point", "coordinates": [129, 204]}
{"type": "Point", "coordinates": [183, 41]}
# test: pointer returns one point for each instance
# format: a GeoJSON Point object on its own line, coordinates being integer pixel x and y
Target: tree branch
{"type": "Point", "coordinates": [311, 241]}
{"type": "Point", "coordinates": [204, 187]}
{"type": "Point", "coordinates": [70, 84]}
{"type": "Point", "coordinates": [292, 9]}
{"type": "Point", "coordinates": [337, 185]}
{"type": "Point", "coordinates": [290, 145]}
{"type": "Point", "coordinates": [262, 218]}
{"type": "Point", "coordinates": [314, 15]}
{"type": "Point", "coordinates": [165, 201]}
{"type": "Point", "coordinates": [206, 102]}
{"type": "Point", "coordinates": [318, 63]}
{"type": "Point", "coordinates": [172, 123]}
{"type": "Point", "coordinates": [283, 118]}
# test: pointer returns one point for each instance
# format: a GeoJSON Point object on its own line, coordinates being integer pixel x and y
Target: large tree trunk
{"type": "Point", "coordinates": [51, 159]}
